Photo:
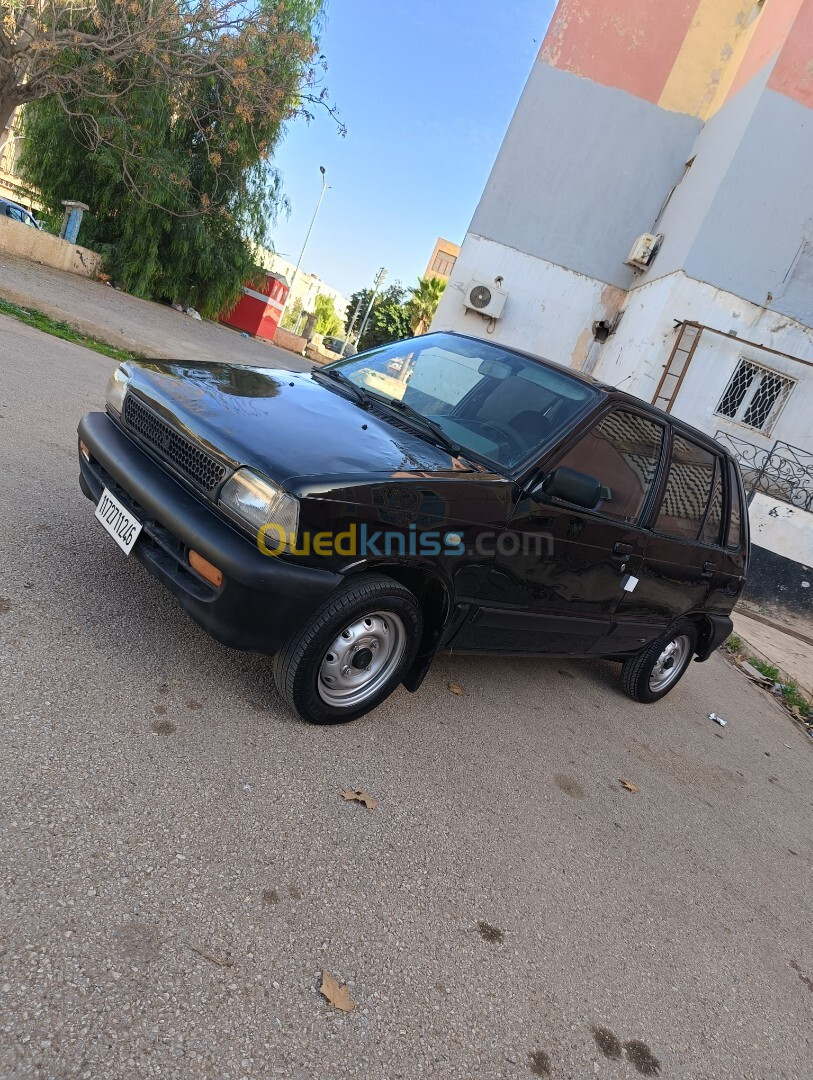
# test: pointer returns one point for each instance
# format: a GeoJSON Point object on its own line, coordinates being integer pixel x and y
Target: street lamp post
{"type": "Point", "coordinates": [379, 281]}
{"type": "Point", "coordinates": [307, 238]}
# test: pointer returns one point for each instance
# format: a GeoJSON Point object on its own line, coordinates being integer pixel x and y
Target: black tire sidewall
{"type": "Point", "coordinates": [302, 691]}
{"type": "Point", "coordinates": [637, 671]}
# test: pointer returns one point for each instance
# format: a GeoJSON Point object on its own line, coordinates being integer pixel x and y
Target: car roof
{"type": "Point", "coordinates": [615, 394]}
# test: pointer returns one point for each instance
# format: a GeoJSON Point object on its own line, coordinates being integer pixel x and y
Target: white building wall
{"type": "Point", "coordinates": [634, 357]}
{"type": "Point", "coordinates": [782, 528]}
{"type": "Point", "coordinates": [307, 286]}
{"type": "Point", "coordinates": [550, 309]}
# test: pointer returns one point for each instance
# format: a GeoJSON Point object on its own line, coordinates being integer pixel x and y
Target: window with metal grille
{"type": "Point", "coordinates": [755, 395]}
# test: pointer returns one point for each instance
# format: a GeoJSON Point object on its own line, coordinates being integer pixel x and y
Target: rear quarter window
{"type": "Point", "coordinates": [688, 490]}
{"type": "Point", "coordinates": [734, 536]}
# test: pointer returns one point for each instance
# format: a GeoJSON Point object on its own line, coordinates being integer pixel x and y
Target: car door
{"type": "Point", "coordinates": [685, 559]}
{"type": "Point", "coordinates": [557, 580]}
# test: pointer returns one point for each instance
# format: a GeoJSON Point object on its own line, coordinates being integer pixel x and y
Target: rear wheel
{"type": "Point", "coordinates": [654, 671]}
{"type": "Point", "coordinates": [353, 653]}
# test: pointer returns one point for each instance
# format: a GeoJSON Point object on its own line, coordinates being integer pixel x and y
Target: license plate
{"type": "Point", "coordinates": [118, 521]}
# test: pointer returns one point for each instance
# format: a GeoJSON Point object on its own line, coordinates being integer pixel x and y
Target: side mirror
{"type": "Point", "coordinates": [572, 487]}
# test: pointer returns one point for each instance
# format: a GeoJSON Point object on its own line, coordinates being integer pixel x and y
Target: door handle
{"type": "Point", "coordinates": [622, 550]}
{"type": "Point", "coordinates": [709, 568]}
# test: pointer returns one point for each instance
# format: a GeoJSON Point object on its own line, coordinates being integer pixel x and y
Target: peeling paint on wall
{"type": "Point", "coordinates": [581, 349]}
{"type": "Point", "coordinates": [763, 40]}
{"type": "Point", "coordinates": [709, 47]}
{"type": "Point", "coordinates": [629, 44]}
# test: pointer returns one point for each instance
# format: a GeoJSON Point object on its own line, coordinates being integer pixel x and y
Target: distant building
{"type": "Point", "coordinates": [10, 144]}
{"type": "Point", "coordinates": [443, 259]}
{"type": "Point", "coordinates": [307, 286]}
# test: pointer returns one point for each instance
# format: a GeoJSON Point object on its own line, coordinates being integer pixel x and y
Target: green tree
{"type": "Point", "coordinates": [92, 57]}
{"type": "Point", "coordinates": [327, 321]}
{"type": "Point", "coordinates": [391, 326]}
{"type": "Point", "coordinates": [424, 300]}
{"type": "Point", "coordinates": [292, 313]}
{"type": "Point", "coordinates": [390, 323]}
{"type": "Point", "coordinates": [178, 219]}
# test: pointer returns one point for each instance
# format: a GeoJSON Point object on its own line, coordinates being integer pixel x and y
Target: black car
{"type": "Point", "coordinates": [438, 493]}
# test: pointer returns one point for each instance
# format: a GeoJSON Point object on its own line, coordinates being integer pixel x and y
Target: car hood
{"type": "Point", "coordinates": [286, 424]}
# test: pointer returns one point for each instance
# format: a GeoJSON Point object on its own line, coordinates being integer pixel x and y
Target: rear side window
{"type": "Point", "coordinates": [735, 521]}
{"type": "Point", "coordinates": [622, 454]}
{"type": "Point", "coordinates": [714, 513]}
{"type": "Point", "coordinates": [688, 490]}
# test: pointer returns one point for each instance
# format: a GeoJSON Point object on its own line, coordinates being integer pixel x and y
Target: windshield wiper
{"type": "Point", "coordinates": [362, 397]}
{"type": "Point", "coordinates": [424, 421]}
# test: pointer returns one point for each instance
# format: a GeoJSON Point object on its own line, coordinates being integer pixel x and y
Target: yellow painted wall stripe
{"type": "Point", "coordinates": [709, 58]}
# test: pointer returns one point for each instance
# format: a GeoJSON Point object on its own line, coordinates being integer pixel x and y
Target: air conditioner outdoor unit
{"type": "Point", "coordinates": [644, 251]}
{"type": "Point", "coordinates": [485, 299]}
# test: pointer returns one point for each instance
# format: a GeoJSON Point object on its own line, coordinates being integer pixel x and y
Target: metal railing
{"type": "Point", "coordinates": [784, 471]}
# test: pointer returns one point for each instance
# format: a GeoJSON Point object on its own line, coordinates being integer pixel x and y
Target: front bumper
{"type": "Point", "coordinates": [262, 599]}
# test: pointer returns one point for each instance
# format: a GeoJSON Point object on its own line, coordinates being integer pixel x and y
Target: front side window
{"type": "Point", "coordinates": [755, 395]}
{"type": "Point", "coordinates": [622, 454]}
{"type": "Point", "coordinates": [495, 403]}
{"type": "Point", "coordinates": [688, 490]}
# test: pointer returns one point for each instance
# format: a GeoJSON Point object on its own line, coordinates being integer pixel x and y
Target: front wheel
{"type": "Point", "coordinates": [654, 671]}
{"type": "Point", "coordinates": [353, 652]}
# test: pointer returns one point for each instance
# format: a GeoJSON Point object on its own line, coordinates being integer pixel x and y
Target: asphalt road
{"type": "Point", "coordinates": [177, 866]}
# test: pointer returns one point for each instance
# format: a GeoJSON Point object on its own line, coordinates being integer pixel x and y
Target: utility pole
{"type": "Point", "coordinates": [307, 238]}
{"type": "Point", "coordinates": [379, 281]}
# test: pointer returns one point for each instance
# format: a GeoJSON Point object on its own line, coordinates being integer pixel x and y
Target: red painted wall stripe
{"type": "Point", "coordinates": [771, 32]}
{"type": "Point", "coordinates": [793, 71]}
{"type": "Point", "coordinates": [629, 44]}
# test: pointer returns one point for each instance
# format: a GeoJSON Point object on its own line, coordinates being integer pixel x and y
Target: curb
{"type": "Point", "coordinates": [83, 326]}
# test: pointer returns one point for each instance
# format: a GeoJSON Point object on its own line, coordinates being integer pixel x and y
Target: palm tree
{"type": "Point", "coordinates": [424, 303]}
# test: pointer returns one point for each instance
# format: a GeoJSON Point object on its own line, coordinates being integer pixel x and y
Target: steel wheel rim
{"type": "Point", "coordinates": [670, 664]}
{"type": "Point", "coordinates": [361, 659]}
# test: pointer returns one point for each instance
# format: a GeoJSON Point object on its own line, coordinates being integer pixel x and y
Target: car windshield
{"type": "Point", "coordinates": [497, 404]}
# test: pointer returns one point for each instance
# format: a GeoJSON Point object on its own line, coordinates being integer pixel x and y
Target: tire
{"type": "Point", "coordinates": [654, 671]}
{"type": "Point", "coordinates": [353, 652]}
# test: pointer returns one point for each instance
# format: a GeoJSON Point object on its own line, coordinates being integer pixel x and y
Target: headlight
{"type": "Point", "coordinates": [117, 388]}
{"type": "Point", "coordinates": [264, 510]}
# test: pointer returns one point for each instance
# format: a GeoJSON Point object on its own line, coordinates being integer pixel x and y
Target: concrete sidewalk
{"type": "Point", "coordinates": [792, 655]}
{"type": "Point", "coordinates": [116, 318]}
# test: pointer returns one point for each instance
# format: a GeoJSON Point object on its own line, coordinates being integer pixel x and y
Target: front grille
{"type": "Point", "coordinates": [201, 468]}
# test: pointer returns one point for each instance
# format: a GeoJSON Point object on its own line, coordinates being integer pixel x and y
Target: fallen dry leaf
{"type": "Point", "coordinates": [360, 796]}
{"type": "Point", "coordinates": [455, 689]}
{"type": "Point", "coordinates": [628, 784]}
{"type": "Point", "coordinates": [338, 996]}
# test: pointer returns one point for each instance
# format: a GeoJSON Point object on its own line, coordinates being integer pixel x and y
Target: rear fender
{"type": "Point", "coordinates": [712, 632]}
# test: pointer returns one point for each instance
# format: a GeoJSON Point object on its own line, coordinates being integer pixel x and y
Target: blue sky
{"type": "Point", "coordinates": [426, 91]}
